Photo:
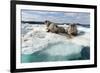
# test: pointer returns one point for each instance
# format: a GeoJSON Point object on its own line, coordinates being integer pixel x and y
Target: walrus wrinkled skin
{"type": "Point", "coordinates": [61, 30]}
{"type": "Point", "coordinates": [72, 30]}
{"type": "Point", "coordinates": [52, 27]}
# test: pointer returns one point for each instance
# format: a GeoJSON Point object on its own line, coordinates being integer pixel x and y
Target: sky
{"type": "Point", "coordinates": [57, 17]}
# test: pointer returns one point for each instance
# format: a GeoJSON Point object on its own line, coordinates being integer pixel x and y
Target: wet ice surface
{"type": "Point", "coordinates": [41, 46]}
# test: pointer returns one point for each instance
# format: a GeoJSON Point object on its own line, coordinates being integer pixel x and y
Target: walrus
{"type": "Point", "coordinates": [72, 30]}
{"type": "Point", "coordinates": [52, 27]}
{"type": "Point", "coordinates": [61, 30]}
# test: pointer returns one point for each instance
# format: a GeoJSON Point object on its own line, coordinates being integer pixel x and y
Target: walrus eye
{"type": "Point", "coordinates": [46, 21]}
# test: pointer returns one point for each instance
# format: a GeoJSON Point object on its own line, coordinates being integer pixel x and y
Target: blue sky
{"type": "Point", "coordinates": [59, 17]}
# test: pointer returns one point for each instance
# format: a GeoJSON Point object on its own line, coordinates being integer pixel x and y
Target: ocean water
{"type": "Point", "coordinates": [41, 46]}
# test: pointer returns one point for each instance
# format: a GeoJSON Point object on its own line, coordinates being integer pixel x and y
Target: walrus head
{"type": "Point", "coordinates": [72, 25]}
{"type": "Point", "coordinates": [47, 23]}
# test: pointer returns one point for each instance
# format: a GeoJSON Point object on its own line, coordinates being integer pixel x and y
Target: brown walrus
{"type": "Point", "coordinates": [72, 30]}
{"type": "Point", "coordinates": [52, 27]}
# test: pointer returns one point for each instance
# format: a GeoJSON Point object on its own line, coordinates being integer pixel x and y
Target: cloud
{"type": "Point", "coordinates": [71, 14]}
{"type": "Point", "coordinates": [30, 17]}
{"type": "Point", "coordinates": [61, 17]}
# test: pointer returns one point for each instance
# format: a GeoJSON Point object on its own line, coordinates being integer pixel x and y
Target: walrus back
{"type": "Point", "coordinates": [61, 30]}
